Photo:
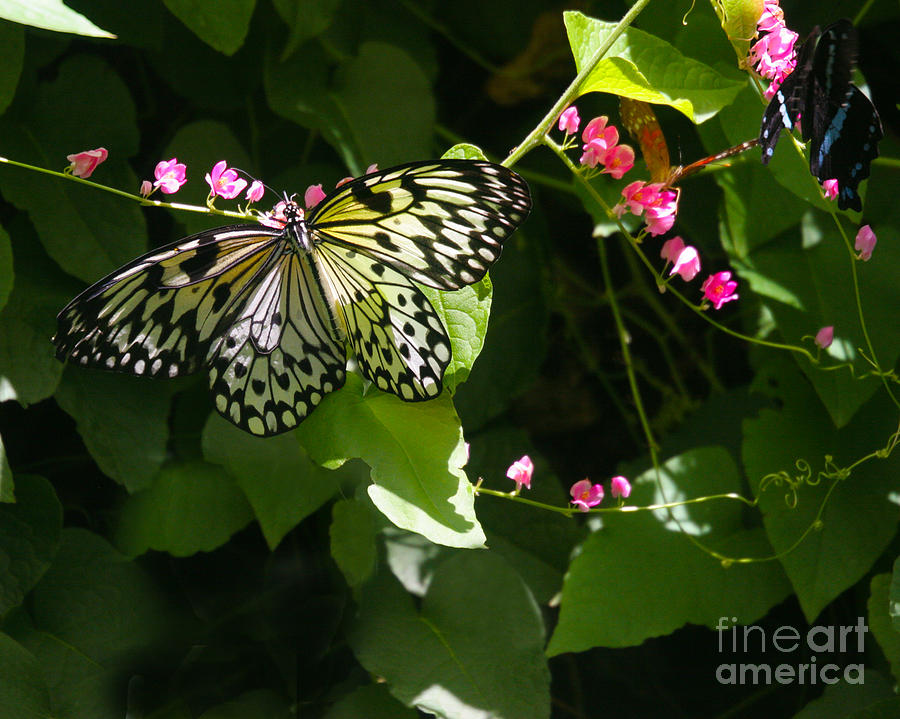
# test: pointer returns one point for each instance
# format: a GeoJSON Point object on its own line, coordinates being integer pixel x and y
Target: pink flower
{"type": "Point", "coordinates": [146, 188]}
{"type": "Point", "coordinates": [313, 196]}
{"type": "Point", "coordinates": [825, 336]}
{"type": "Point", "coordinates": [719, 289]}
{"type": "Point", "coordinates": [772, 17]}
{"type": "Point", "coordinates": [687, 264]}
{"type": "Point", "coordinates": [638, 195]}
{"type": "Point", "coordinates": [618, 160]}
{"type": "Point", "coordinates": [276, 217]}
{"type": "Point", "coordinates": [672, 248]}
{"type": "Point", "coordinates": [774, 52]}
{"type": "Point", "coordinates": [255, 191]}
{"type": "Point", "coordinates": [586, 495]}
{"type": "Point", "coordinates": [660, 214]}
{"type": "Point", "coordinates": [225, 183]}
{"type": "Point", "coordinates": [831, 189]}
{"type": "Point", "coordinates": [621, 487]}
{"type": "Point", "coordinates": [865, 242]}
{"type": "Point", "coordinates": [170, 175]}
{"type": "Point", "coordinates": [569, 120]}
{"type": "Point", "coordinates": [84, 163]}
{"type": "Point", "coordinates": [520, 472]}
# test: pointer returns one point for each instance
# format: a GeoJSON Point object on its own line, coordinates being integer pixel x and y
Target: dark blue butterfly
{"type": "Point", "coordinates": [840, 121]}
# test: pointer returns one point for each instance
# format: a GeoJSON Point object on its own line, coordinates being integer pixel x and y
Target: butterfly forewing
{"type": "Point", "coordinates": [440, 223]}
{"type": "Point", "coordinates": [158, 314]}
{"type": "Point", "coordinates": [269, 311]}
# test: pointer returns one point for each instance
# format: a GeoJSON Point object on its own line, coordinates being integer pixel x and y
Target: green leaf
{"type": "Point", "coordinates": [643, 67]}
{"type": "Point", "coordinates": [465, 313]}
{"type": "Point", "coordinates": [372, 701]}
{"type": "Point", "coordinates": [860, 516]}
{"type": "Point", "coordinates": [870, 697]}
{"type": "Point", "coordinates": [353, 540]}
{"type": "Point", "coordinates": [894, 606]}
{"type": "Point", "coordinates": [122, 419]}
{"type": "Point", "coordinates": [50, 15]}
{"type": "Point", "coordinates": [6, 268]}
{"type": "Point", "coordinates": [739, 18]}
{"type": "Point", "coordinates": [379, 91]}
{"type": "Point", "coordinates": [474, 601]}
{"type": "Point", "coordinates": [12, 54]}
{"type": "Point", "coordinates": [640, 576]}
{"type": "Point", "coordinates": [29, 371]}
{"type": "Point", "coordinates": [280, 481]}
{"type": "Point", "coordinates": [882, 612]}
{"type": "Point", "coordinates": [93, 612]}
{"type": "Point", "coordinates": [23, 691]}
{"type": "Point", "coordinates": [464, 151]}
{"type": "Point", "coordinates": [88, 233]}
{"type": "Point", "coordinates": [190, 507]}
{"type": "Point", "coordinates": [221, 24]}
{"type": "Point", "coordinates": [819, 279]}
{"type": "Point", "coordinates": [29, 535]}
{"type": "Point", "coordinates": [259, 703]}
{"type": "Point", "coordinates": [416, 452]}
{"type": "Point", "coordinates": [306, 19]}
{"type": "Point", "coordinates": [7, 485]}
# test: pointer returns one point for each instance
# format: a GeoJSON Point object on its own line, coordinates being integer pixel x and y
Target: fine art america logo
{"type": "Point", "coordinates": [796, 656]}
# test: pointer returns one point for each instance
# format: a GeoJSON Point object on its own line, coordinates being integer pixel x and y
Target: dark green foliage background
{"type": "Point", "coordinates": [157, 561]}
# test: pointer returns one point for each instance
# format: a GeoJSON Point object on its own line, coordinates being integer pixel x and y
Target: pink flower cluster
{"type": "Point", "coordinates": [773, 55]}
{"type": "Point", "coordinates": [685, 260]}
{"type": "Point", "coordinates": [658, 204]}
{"type": "Point", "coordinates": [586, 495]}
{"type": "Point", "coordinates": [601, 143]}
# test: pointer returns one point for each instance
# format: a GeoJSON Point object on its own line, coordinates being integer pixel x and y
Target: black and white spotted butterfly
{"type": "Point", "coordinates": [269, 311]}
{"type": "Point", "coordinates": [837, 117]}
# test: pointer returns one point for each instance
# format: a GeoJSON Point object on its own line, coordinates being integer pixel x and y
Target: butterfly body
{"type": "Point", "coordinates": [836, 118]}
{"type": "Point", "coordinates": [269, 311]}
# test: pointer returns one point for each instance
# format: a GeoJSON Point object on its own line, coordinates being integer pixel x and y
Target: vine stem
{"type": "Point", "coordinates": [536, 136]}
{"type": "Point", "coordinates": [204, 209]}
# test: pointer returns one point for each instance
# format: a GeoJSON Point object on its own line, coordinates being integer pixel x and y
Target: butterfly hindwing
{"type": "Point", "coordinates": [397, 337]}
{"type": "Point", "coordinates": [280, 353]}
{"type": "Point", "coordinates": [441, 223]}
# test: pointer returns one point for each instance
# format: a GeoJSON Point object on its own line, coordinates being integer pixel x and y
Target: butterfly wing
{"type": "Point", "coordinates": [640, 121]}
{"type": "Point", "coordinates": [279, 353]}
{"type": "Point", "coordinates": [158, 314]}
{"type": "Point", "coordinates": [398, 338]}
{"type": "Point", "coordinates": [847, 147]}
{"type": "Point", "coordinates": [790, 101]}
{"type": "Point", "coordinates": [441, 223]}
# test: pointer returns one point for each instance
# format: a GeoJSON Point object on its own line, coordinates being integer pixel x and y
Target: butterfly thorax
{"type": "Point", "coordinates": [295, 228]}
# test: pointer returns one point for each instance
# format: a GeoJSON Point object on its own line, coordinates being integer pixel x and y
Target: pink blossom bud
{"type": "Point", "coordinates": [255, 191]}
{"type": "Point", "coordinates": [84, 163]}
{"type": "Point", "coordinates": [865, 242]}
{"type": "Point", "coordinates": [831, 189]}
{"type": "Point", "coordinates": [313, 196]}
{"type": "Point", "coordinates": [520, 472]}
{"type": "Point", "coordinates": [825, 336]}
{"type": "Point", "coordinates": [146, 188]}
{"type": "Point", "coordinates": [687, 264]}
{"type": "Point", "coordinates": [621, 487]}
{"type": "Point", "coordinates": [569, 120]}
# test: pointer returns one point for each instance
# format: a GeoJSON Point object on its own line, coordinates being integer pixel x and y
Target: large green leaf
{"type": "Point", "coordinates": [435, 657]}
{"type": "Point", "coordinates": [190, 507]}
{"type": "Point", "coordinates": [12, 52]}
{"type": "Point", "coordinates": [6, 268]}
{"type": "Point", "coordinates": [29, 535]}
{"type": "Point", "coordinates": [881, 607]}
{"type": "Point", "coordinates": [861, 515]}
{"type": "Point", "coordinates": [123, 421]}
{"type": "Point", "coordinates": [372, 701]}
{"type": "Point", "coordinates": [640, 575]}
{"type": "Point", "coordinates": [221, 24]}
{"type": "Point", "coordinates": [416, 452]}
{"type": "Point", "coordinates": [353, 540]}
{"type": "Point", "coordinates": [7, 486]}
{"type": "Point", "coordinates": [50, 15]}
{"type": "Point", "coordinates": [23, 691]}
{"type": "Point", "coordinates": [643, 67]}
{"type": "Point", "coordinates": [280, 481]}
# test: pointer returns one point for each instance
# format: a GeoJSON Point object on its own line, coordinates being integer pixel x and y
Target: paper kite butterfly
{"type": "Point", "coordinates": [640, 121]}
{"type": "Point", "coordinates": [268, 311]}
{"type": "Point", "coordinates": [841, 123]}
